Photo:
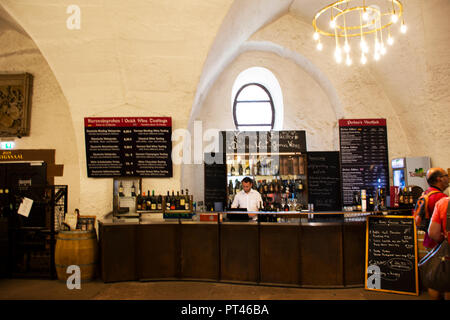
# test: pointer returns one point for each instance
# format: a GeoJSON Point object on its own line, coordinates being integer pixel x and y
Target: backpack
{"type": "Point", "coordinates": [421, 214]}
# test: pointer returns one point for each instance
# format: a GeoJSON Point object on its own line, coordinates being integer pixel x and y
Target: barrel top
{"type": "Point", "coordinates": [77, 232]}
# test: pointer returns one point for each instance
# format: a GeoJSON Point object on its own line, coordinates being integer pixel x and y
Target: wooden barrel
{"type": "Point", "coordinates": [76, 248]}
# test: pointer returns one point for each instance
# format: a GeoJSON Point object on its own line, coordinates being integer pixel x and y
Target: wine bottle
{"type": "Point", "coordinates": [143, 202]}
{"type": "Point", "coordinates": [139, 202]}
{"type": "Point", "coordinates": [121, 194]}
{"type": "Point", "coordinates": [133, 190]}
{"type": "Point", "coordinates": [232, 171]}
{"type": "Point", "coordinates": [182, 200]}
{"type": "Point", "coordinates": [159, 203]}
{"type": "Point", "coordinates": [153, 200]}
{"type": "Point", "coordinates": [300, 185]}
{"type": "Point", "coordinates": [187, 202]}
{"type": "Point", "coordinates": [168, 204]}
{"type": "Point", "coordinates": [230, 188]}
{"type": "Point", "coordinates": [401, 198]}
{"type": "Point", "coordinates": [241, 169]}
{"type": "Point", "coordinates": [411, 198]}
{"type": "Point", "coordinates": [173, 204]}
{"type": "Point", "coordinates": [148, 201]}
{"type": "Point", "coordinates": [247, 169]}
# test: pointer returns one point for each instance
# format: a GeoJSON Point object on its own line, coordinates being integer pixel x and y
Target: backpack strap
{"type": "Point", "coordinates": [448, 218]}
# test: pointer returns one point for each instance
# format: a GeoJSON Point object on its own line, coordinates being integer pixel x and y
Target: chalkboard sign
{"type": "Point", "coordinates": [324, 181]}
{"type": "Point", "coordinates": [391, 254]}
{"type": "Point", "coordinates": [128, 147]}
{"type": "Point", "coordinates": [364, 156]}
{"type": "Point", "coordinates": [264, 141]}
{"type": "Point", "coordinates": [215, 181]}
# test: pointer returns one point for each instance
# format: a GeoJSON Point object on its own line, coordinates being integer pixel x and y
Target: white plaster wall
{"type": "Point", "coordinates": [133, 58]}
{"type": "Point", "coordinates": [51, 124]}
{"type": "Point", "coordinates": [358, 91]}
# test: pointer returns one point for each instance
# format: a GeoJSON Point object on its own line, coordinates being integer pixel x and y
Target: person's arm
{"type": "Point", "coordinates": [235, 203]}
{"type": "Point", "coordinates": [435, 228]}
{"type": "Point", "coordinates": [434, 232]}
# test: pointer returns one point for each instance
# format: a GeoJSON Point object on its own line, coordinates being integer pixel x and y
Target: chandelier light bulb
{"type": "Point", "coordinates": [403, 28]}
{"type": "Point", "coordinates": [337, 55]}
{"type": "Point", "coordinates": [363, 59]}
{"type": "Point", "coordinates": [319, 46]}
{"type": "Point", "coordinates": [346, 47]}
{"type": "Point", "coordinates": [377, 45]}
{"type": "Point", "coordinates": [316, 36]}
{"type": "Point", "coordinates": [364, 46]}
{"type": "Point", "coordinates": [332, 24]}
{"type": "Point", "coordinates": [365, 15]}
{"type": "Point", "coordinates": [390, 40]}
{"type": "Point", "coordinates": [394, 18]}
{"type": "Point", "coordinates": [376, 56]}
{"type": "Point", "coordinates": [383, 50]}
{"type": "Point", "coordinates": [348, 61]}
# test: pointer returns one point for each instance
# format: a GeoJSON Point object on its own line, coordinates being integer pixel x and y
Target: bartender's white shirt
{"type": "Point", "coordinates": [250, 200]}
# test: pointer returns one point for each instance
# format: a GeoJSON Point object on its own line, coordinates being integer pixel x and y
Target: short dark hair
{"type": "Point", "coordinates": [432, 178]}
{"type": "Point", "coordinates": [247, 180]}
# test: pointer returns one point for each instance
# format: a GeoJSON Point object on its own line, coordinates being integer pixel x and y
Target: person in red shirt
{"type": "Point", "coordinates": [437, 179]}
{"type": "Point", "coordinates": [436, 231]}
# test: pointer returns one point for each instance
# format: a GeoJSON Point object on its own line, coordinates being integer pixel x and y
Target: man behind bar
{"type": "Point", "coordinates": [248, 197]}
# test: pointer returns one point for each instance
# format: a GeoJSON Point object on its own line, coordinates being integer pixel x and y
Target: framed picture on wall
{"type": "Point", "coordinates": [15, 104]}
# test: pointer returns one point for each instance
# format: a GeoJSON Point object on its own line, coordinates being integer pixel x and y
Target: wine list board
{"type": "Point", "coordinates": [128, 147]}
{"type": "Point", "coordinates": [364, 156]}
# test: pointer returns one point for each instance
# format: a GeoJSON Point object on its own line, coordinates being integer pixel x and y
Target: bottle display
{"type": "Point", "coordinates": [280, 179]}
{"type": "Point", "coordinates": [127, 198]}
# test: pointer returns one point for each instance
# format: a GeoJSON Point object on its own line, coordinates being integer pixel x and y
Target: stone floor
{"type": "Point", "coordinates": [28, 289]}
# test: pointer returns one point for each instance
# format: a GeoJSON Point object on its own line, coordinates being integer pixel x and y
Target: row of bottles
{"type": "Point", "coordinates": [266, 166]}
{"type": "Point", "coordinates": [277, 195]}
{"type": "Point", "coordinates": [158, 203]}
{"type": "Point", "coordinates": [367, 200]}
{"type": "Point", "coordinates": [178, 202]}
{"type": "Point", "coordinates": [149, 202]}
{"type": "Point", "coordinates": [286, 187]}
{"type": "Point", "coordinates": [405, 198]}
{"type": "Point", "coordinates": [122, 190]}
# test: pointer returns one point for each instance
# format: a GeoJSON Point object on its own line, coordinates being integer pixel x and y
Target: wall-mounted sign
{"type": "Point", "coordinates": [133, 146]}
{"type": "Point", "coordinates": [264, 141]}
{"type": "Point", "coordinates": [364, 156]}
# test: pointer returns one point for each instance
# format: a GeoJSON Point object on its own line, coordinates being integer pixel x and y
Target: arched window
{"type": "Point", "coordinates": [257, 101]}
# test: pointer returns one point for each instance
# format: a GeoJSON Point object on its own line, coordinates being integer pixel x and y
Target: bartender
{"type": "Point", "coordinates": [247, 198]}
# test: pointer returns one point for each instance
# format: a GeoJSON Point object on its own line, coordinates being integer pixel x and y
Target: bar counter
{"type": "Point", "coordinates": [301, 253]}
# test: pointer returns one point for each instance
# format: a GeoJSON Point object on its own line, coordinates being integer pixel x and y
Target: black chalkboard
{"type": "Point", "coordinates": [391, 246]}
{"type": "Point", "coordinates": [324, 181]}
{"type": "Point", "coordinates": [215, 180]}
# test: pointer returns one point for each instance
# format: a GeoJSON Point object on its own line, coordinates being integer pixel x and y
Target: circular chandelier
{"type": "Point", "coordinates": [369, 22]}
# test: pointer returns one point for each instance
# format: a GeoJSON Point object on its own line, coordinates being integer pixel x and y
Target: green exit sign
{"type": "Point", "coordinates": [7, 145]}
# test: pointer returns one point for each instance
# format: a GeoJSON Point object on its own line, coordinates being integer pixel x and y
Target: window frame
{"type": "Point", "coordinates": [272, 107]}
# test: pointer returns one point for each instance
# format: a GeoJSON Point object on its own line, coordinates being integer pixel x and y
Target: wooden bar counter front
{"type": "Point", "coordinates": [302, 253]}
